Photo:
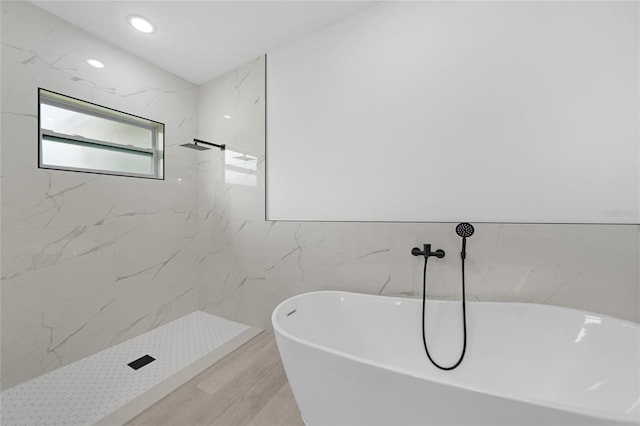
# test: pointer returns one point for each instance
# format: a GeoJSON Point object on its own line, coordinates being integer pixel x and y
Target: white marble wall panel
{"type": "Point", "coordinates": [250, 265]}
{"type": "Point", "coordinates": [88, 260]}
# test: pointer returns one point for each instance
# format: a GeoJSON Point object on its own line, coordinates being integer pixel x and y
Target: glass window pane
{"type": "Point", "coordinates": [73, 154]}
{"type": "Point", "coordinates": [82, 136]}
{"type": "Point", "coordinates": [74, 123]}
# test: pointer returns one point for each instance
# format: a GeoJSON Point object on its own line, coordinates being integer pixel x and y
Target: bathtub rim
{"type": "Point", "coordinates": [586, 411]}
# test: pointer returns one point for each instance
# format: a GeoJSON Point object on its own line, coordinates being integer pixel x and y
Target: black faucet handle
{"type": "Point", "coordinates": [438, 253]}
{"type": "Point", "coordinates": [417, 252]}
{"type": "Point", "coordinates": [427, 252]}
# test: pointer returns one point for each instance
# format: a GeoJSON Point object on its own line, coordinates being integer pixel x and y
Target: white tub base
{"type": "Point", "coordinates": [358, 360]}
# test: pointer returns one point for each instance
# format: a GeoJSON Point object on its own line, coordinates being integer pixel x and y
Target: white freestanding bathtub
{"type": "Point", "coordinates": [355, 359]}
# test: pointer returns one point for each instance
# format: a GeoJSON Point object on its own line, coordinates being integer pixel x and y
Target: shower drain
{"type": "Point", "coordinates": [141, 362]}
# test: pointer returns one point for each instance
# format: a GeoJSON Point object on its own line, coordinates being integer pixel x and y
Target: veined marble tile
{"type": "Point", "coordinates": [24, 202]}
{"type": "Point", "coordinates": [163, 302]}
{"type": "Point", "coordinates": [78, 269]}
{"type": "Point", "coordinates": [51, 198]}
{"type": "Point", "coordinates": [37, 249]}
{"type": "Point", "coordinates": [24, 352]}
{"type": "Point", "coordinates": [18, 158]}
{"type": "Point", "coordinates": [68, 309]}
{"type": "Point", "coordinates": [152, 241]}
{"type": "Point", "coordinates": [231, 109]}
{"type": "Point", "coordinates": [175, 195]}
{"type": "Point", "coordinates": [219, 282]}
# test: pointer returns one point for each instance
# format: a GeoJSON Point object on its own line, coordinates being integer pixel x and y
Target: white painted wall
{"type": "Point", "coordinates": [88, 260]}
{"type": "Point", "coordinates": [453, 111]}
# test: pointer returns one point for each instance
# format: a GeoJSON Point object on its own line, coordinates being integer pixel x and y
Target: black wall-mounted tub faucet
{"type": "Point", "coordinates": [427, 252]}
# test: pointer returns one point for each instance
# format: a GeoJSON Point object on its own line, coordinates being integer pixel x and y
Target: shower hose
{"type": "Point", "coordinates": [464, 318]}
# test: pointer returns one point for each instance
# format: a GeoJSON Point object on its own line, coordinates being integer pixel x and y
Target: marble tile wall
{"type": "Point", "coordinates": [250, 265]}
{"type": "Point", "coordinates": [88, 260]}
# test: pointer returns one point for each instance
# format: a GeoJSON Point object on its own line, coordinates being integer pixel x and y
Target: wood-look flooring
{"type": "Point", "coordinates": [247, 387]}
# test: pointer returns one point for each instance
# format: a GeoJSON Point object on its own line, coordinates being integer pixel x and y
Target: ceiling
{"type": "Point", "coordinates": [199, 40]}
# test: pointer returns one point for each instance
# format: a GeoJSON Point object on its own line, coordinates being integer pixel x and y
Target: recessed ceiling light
{"type": "Point", "coordinates": [95, 63]}
{"type": "Point", "coordinates": [141, 24]}
{"type": "Point", "coordinates": [227, 116]}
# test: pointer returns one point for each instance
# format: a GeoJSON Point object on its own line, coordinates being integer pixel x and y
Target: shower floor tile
{"type": "Point", "coordinates": [84, 392]}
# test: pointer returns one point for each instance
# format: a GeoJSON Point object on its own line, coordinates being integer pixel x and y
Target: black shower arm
{"type": "Point", "coordinates": [197, 141]}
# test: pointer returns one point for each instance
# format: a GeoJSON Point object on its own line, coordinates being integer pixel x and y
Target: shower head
{"type": "Point", "coordinates": [464, 229]}
{"type": "Point", "coordinates": [194, 146]}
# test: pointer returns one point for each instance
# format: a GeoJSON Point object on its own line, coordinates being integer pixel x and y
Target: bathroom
{"type": "Point", "coordinates": [90, 261]}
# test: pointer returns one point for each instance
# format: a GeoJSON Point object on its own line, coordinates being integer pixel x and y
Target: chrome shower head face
{"type": "Point", "coordinates": [194, 146]}
{"type": "Point", "coordinates": [464, 229]}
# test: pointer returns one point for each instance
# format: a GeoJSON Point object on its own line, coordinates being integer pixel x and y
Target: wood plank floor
{"type": "Point", "coordinates": [247, 387]}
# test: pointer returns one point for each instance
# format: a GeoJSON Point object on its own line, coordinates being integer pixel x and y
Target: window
{"type": "Point", "coordinates": [81, 136]}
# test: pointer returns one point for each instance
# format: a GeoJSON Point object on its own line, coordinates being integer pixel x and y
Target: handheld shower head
{"type": "Point", "coordinates": [464, 229]}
